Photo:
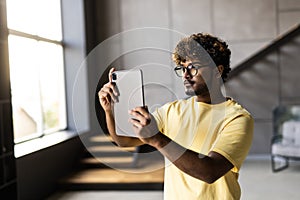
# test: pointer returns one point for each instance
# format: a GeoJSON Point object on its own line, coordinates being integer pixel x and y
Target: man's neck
{"type": "Point", "coordinates": [214, 99]}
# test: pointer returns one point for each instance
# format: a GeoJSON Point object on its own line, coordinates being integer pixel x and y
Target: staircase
{"type": "Point", "coordinates": [104, 166]}
{"type": "Point", "coordinates": [273, 46]}
{"type": "Point", "coordinates": [265, 80]}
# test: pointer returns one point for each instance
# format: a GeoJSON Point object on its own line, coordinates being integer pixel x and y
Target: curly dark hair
{"type": "Point", "coordinates": [193, 47]}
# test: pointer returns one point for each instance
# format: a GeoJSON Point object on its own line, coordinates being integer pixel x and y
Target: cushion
{"type": "Point", "coordinates": [290, 144]}
{"type": "Point", "coordinates": [286, 150]}
{"type": "Point", "coordinates": [291, 132]}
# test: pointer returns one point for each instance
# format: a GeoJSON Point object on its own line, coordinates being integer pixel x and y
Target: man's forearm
{"type": "Point", "coordinates": [202, 167]}
{"type": "Point", "coordinates": [110, 123]}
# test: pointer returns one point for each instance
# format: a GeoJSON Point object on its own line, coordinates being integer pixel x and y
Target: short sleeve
{"type": "Point", "coordinates": [235, 140]}
{"type": "Point", "coordinates": [160, 116]}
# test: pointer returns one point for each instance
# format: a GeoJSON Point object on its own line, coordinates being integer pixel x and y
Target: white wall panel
{"type": "Point", "coordinates": [245, 20]}
{"type": "Point", "coordinates": [191, 16]}
{"type": "Point", "coordinates": [288, 4]}
{"type": "Point", "coordinates": [144, 13]}
{"type": "Point", "coordinates": [287, 20]}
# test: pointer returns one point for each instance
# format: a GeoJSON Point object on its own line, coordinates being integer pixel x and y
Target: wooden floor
{"type": "Point", "coordinates": [112, 168]}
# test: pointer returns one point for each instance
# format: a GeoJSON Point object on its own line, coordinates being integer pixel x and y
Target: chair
{"type": "Point", "coordinates": [286, 146]}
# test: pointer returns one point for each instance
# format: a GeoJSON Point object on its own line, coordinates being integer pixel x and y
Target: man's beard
{"type": "Point", "coordinates": [201, 90]}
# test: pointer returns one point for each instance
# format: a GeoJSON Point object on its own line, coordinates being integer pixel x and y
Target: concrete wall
{"type": "Point", "coordinates": [246, 25]}
{"type": "Point", "coordinates": [268, 83]}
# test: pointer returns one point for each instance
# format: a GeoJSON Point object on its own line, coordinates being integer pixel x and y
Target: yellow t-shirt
{"type": "Point", "coordinates": [225, 128]}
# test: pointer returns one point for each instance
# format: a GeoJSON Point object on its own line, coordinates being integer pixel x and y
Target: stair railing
{"type": "Point", "coordinates": [271, 47]}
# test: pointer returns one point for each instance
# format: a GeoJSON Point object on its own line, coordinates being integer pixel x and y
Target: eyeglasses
{"type": "Point", "coordinates": [192, 69]}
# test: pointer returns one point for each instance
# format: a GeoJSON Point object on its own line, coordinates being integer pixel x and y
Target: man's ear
{"type": "Point", "coordinates": [219, 71]}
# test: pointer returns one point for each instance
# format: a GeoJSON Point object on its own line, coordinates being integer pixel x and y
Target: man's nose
{"type": "Point", "coordinates": [187, 74]}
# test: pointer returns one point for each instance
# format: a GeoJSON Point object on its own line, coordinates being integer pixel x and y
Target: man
{"type": "Point", "coordinates": [205, 138]}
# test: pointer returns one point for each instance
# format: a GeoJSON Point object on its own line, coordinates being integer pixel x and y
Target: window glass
{"type": "Point", "coordinates": [36, 67]}
{"type": "Point", "coordinates": [24, 77]}
{"type": "Point", "coordinates": [36, 17]}
{"type": "Point", "coordinates": [51, 79]}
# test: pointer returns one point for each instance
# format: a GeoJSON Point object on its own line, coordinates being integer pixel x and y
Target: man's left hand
{"type": "Point", "coordinates": [144, 124]}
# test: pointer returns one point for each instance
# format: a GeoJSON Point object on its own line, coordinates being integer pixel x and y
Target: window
{"type": "Point", "coordinates": [36, 67]}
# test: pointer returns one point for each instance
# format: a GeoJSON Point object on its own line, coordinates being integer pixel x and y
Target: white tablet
{"type": "Point", "coordinates": [129, 84]}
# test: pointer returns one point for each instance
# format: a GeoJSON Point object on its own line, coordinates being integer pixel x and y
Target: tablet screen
{"type": "Point", "coordinates": [129, 84]}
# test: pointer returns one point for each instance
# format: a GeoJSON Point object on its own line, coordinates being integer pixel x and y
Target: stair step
{"type": "Point", "coordinates": [110, 151]}
{"type": "Point", "coordinates": [105, 166]}
{"type": "Point", "coordinates": [114, 180]}
{"type": "Point", "coordinates": [93, 160]}
{"type": "Point", "coordinates": [118, 172]}
{"type": "Point", "coordinates": [104, 162]}
{"type": "Point", "coordinates": [110, 148]}
{"type": "Point", "coordinates": [101, 138]}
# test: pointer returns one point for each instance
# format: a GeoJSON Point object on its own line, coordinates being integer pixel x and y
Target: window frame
{"type": "Point", "coordinates": [74, 53]}
{"type": "Point", "coordinates": [38, 38]}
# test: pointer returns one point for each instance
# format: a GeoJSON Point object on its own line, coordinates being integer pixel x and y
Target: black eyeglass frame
{"type": "Point", "coordinates": [180, 70]}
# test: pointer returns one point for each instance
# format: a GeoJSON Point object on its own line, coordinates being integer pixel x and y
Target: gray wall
{"type": "Point", "coordinates": [246, 25]}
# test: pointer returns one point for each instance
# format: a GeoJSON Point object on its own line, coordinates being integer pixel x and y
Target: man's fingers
{"type": "Point", "coordinates": [108, 89]}
{"type": "Point", "coordinates": [112, 88]}
{"type": "Point", "coordinates": [110, 74]}
{"type": "Point", "coordinates": [142, 110]}
{"type": "Point", "coordinates": [135, 123]}
{"type": "Point", "coordinates": [136, 115]}
{"type": "Point", "coordinates": [144, 119]}
{"type": "Point", "coordinates": [103, 95]}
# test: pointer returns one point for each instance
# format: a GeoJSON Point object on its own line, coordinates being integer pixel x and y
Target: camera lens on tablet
{"type": "Point", "coordinates": [114, 76]}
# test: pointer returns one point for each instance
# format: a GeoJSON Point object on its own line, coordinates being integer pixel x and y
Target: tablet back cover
{"type": "Point", "coordinates": [129, 84]}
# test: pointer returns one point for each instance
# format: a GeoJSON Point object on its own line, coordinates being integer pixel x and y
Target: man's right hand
{"type": "Point", "coordinates": [108, 93]}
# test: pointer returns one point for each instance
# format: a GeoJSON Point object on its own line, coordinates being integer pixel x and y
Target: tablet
{"type": "Point", "coordinates": [129, 84]}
